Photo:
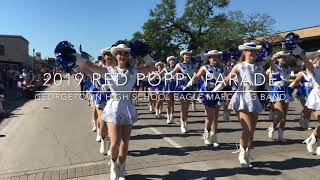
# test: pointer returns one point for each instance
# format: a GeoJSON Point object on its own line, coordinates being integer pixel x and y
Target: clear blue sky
{"type": "Point", "coordinates": [99, 23]}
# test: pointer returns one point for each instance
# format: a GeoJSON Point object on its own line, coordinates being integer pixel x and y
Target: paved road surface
{"type": "Point", "coordinates": [52, 140]}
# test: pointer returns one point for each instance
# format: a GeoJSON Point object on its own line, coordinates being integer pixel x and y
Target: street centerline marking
{"type": "Point", "coordinates": [169, 140]}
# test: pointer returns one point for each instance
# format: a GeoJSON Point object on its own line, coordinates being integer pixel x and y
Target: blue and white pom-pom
{"type": "Point", "coordinates": [196, 61]}
{"type": "Point", "coordinates": [120, 42]}
{"type": "Point", "coordinates": [290, 41]}
{"type": "Point", "coordinates": [226, 56]}
{"type": "Point", "coordinates": [85, 54]}
{"type": "Point", "coordinates": [139, 48]}
{"type": "Point", "coordinates": [231, 54]}
{"type": "Point", "coordinates": [64, 53]}
{"type": "Point", "coordinates": [265, 52]}
{"type": "Point", "coordinates": [235, 53]}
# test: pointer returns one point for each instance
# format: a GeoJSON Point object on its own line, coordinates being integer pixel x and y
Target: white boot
{"type": "Point", "coordinates": [183, 127]}
{"type": "Point", "coordinates": [114, 170]}
{"type": "Point", "coordinates": [280, 135]}
{"type": "Point", "coordinates": [248, 157]}
{"type": "Point", "coordinates": [206, 137]}
{"type": "Point", "coordinates": [318, 151]}
{"type": "Point", "coordinates": [243, 158]}
{"type": "Point", "coordinates": [193, 106]}
{"type": "Point", "coordinates": [94, 125]}
{"type": "Point", "coordinates": [169, 118]}
{"type": "Point", "coordinates": [302, 123]}
{"type": "Point", "coordinates": [226, 116]}
{"type": "Point", "coordinates": [157, 113]}
{"type": "Point", "coordinates": [271, 115]}
{"type": "Point", "coordinates": [311, 143]}
{"type": "Point", "coordinates": [307, 124]}
{"type": "Point", "coordinates": [150, 108]}
{"type": "Point", "coordinates": [214, 140]}
{"type": "Point", "coordinates": [270, 131]}
{"type": "Point", "coordinates": [103, 145]}
{"type": "Point", "coordinates": [98, 138]}
{"type": "Point", "coordinates": [122, 171]}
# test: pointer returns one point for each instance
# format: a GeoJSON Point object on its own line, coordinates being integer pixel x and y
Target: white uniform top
{"type": "Point", "coordinates": [244, 99]}
{"type": "Point", "coordinates": [215, 71]}
{"type": "Point", "coordinates": [248, 73]}
{"type": "Point", "coordinates": [187, 68]}
{"type": "Point", "coordinates": [313, 101]}
{"type": "Point", "coordinates": [116, 82]}
{"type": "Point", "coordinates": [120, 109]}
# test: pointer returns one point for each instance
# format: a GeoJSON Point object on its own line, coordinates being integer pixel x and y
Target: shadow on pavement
{"type": "Point", "coordinates": [267, 168]}
{"type": "Point", "coordinates": [183, 174]}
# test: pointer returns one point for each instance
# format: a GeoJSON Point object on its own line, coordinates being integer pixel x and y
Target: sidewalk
{"type": "Point", "coordinates": [159, 151]}
{"type": "Point", "coordinates": [285, 165]}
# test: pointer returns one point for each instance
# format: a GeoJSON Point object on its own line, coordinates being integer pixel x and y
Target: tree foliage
{"type": "Point", "coordinates": [201, 26]}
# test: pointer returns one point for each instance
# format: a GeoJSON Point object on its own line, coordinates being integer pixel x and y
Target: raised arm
{"type": "Point", "coordinates": [233, 73]}
{"type": "Point", "coordinates": [307, 63]}
{"type": "Point", "coordinates": [298, 78]}
{"type": "Point", "coordinates": [195, 79]}
{"type": "Point", "coordinates": [200, 73]}
{"type": "Point", "coordinates": [175, 70]}
{"type": "Point", "coordinates": [88, 67]}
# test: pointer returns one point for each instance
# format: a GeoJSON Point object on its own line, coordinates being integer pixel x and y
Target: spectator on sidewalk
{"type": "Point", "coordinates": [2, 87]}
{"type": "Point", "coordinates": [24, 88]}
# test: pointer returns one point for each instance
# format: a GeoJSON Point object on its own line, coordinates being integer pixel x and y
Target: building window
{"type": "Point", "coordinates": [2, 50]}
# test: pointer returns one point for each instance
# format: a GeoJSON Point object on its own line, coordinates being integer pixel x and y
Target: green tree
{"type": "Point", "coordinates": [200, 27]}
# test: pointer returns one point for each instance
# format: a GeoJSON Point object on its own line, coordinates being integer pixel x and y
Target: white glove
{"type": "Point", "coordinates": [80, 61]}
{"type": "Point", "coordinates": [291, 85]}
{"type": "Point", "coordinates": [189, 84]}
{"type": "Point", "coordinates": [292, 74]}
{"type": "Point", "coordinates": [218, 87]}
{"type": "Point", "coordinates": [148, 60]}
{"type": "Point", "coordinates": [298, 50]}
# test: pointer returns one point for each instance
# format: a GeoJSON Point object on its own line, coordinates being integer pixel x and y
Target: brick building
{"type": "Point", "coordinates": [14, 52]}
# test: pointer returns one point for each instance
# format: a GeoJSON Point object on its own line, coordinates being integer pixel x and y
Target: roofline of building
{"type": "Point", "coordinates": [293, 30]}
{"type": "Point", "coordinates": [14, 36]}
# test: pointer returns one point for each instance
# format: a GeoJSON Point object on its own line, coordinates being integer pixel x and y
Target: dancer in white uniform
{"type": "Point", "coordinates": [313, 100]}
{"type": "Point", "coordinates": [188, 71]}
{"type": "Point", "coordinates": [170, 85]}
{"type": "Point", "coordinates": [303, 80]}
{"type": "Point", "coordinates": [119, 113]}
{"type": "Point", "coordinates": [105, 93]}
{"type": "Point", "coordinates": [280, 100]}
{"type": "Point", "coordinates": [212, 101]}
{"type": "Point", "coordinates": [245, 100]}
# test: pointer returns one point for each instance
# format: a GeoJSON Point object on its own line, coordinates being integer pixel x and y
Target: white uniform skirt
{"type": "Point", "coordinates": [313, 100]}
{"type": "Point", "coordinates": [120, 112]}
{"type": "Point", "coordinates": [245, 101]}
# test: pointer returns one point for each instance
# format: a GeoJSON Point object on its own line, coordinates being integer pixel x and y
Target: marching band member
{"type": "Point", "coordinates": [313, 100]}
{"type": "Point", "coordinates": [210, 72]}
{"type": "Point", "coordinates": [93, 92]}
{"type": "Point", "coordinates": [280, 93]}
{"type": "Point", "coordinates": [157, 89]}
{"type": "Point", "coordinates": [229, 88]}
{"type": "Point", "coordinates": [101, 99]}
{"type": "Point", "coordinates": [119, 113]}
{"type": "Point", "coordinates": [170, 86]}
{"type": "Point", "coordinates": [187, 69]}
{"type": "Point", "coordinates": [245, 100]}
{"type": "Point", "coordinates": [303, 78]}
